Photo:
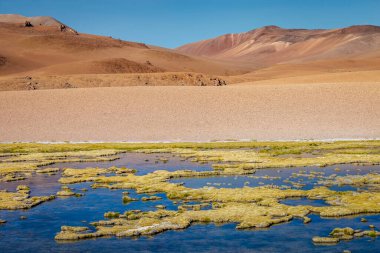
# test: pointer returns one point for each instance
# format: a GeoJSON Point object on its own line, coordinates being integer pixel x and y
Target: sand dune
{"type": "Point", "coordinates": [275, 112]}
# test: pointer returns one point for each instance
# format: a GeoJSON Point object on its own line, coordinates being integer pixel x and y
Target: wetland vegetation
{"type": "Point", "coordinates": [248, 185]}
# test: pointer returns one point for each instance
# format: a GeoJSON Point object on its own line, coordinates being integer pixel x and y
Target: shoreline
{"type": "Point", "coordinates": [195, 142]}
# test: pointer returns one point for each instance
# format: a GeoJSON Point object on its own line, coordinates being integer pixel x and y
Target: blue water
{"type": "Point", "coordinates": [277, 177]}
{"type": "Point", "coordinates": [304, 202]}
{"type": "Point", "coordinates": [144, 163]}
{"type": "Point", "coordinates": [36, 233]}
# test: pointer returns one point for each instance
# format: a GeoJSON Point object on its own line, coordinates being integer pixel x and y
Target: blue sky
{"type": "Point", "coordinates": [171, 23]}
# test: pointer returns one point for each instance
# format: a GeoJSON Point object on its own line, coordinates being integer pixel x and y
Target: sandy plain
{"type": "Point", "coordinates": [259, 112]}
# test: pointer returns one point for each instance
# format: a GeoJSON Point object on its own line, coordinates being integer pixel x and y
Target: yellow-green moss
{"type": "Point", "coordinates": [249, 207]}
{"type": "Point", "coordinates": [20, 200]}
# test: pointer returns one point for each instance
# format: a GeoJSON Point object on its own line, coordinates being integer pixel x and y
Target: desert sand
{"type": "Point", "coordinates": [261, 112]}
{"type": "Point", "coordinates": [267, 84]}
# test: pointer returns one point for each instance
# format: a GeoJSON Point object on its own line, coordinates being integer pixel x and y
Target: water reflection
{"type": "Point", "coordinates": [36, 233]}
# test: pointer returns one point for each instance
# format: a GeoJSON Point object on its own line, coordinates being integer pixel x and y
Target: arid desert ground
{"type": "Point", "coordinates": [260, 141]}
{"type": "Point", "coordinates": [287, 85]}
{"type": "Point", "coordinates": [145, 114]}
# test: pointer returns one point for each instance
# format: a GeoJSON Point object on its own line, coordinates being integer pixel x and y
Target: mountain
{"type": "Point", "coordinates": [269, 45]}
{"type": "Point", "coordinates": [35, 21]}
{"type": "Point", "coordinates": [44, 56]}
{"type": "Point", "coordinates": [43, 49]}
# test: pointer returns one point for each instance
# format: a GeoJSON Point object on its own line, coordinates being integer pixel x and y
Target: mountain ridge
{"type": "Point", "coordinates": [35, 21]}
{"type": "Point", "coordinates": [43, 56]}
{"type": "Point", "coordinates": [284, 45]}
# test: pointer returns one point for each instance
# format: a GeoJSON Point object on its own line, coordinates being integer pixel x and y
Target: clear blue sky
{"type": "Point", "coordinates": [171, 23]}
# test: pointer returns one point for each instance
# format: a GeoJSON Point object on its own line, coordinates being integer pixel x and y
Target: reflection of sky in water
{"type": "Point", "coordinates": [277, 177]}
{"type": "Point", "coordinates": [304, 202]}
{"type": "Point", "coordinates": [36, 233]}
{"type": "Point", "coordinates": [144, 163]}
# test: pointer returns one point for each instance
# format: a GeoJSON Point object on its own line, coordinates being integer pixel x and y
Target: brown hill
{"type": "Point", "coordinates": [357, 69]}
{"type": "Point", "coordinates": [43, 57]}
{"type": "Point", "coordinates": [44, 50]}
{"type": "Point", "coordinates": [271, 44]}
{"type": "Point", "coordinates": [36, 21]}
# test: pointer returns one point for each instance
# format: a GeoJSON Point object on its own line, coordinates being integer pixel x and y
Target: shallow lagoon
{"type": "Point", "coordinates": [277, 176]}
{"type": "Point", "coordinates": [36, 233]}
{"type": "Point", "coordinates": [143, 163]}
